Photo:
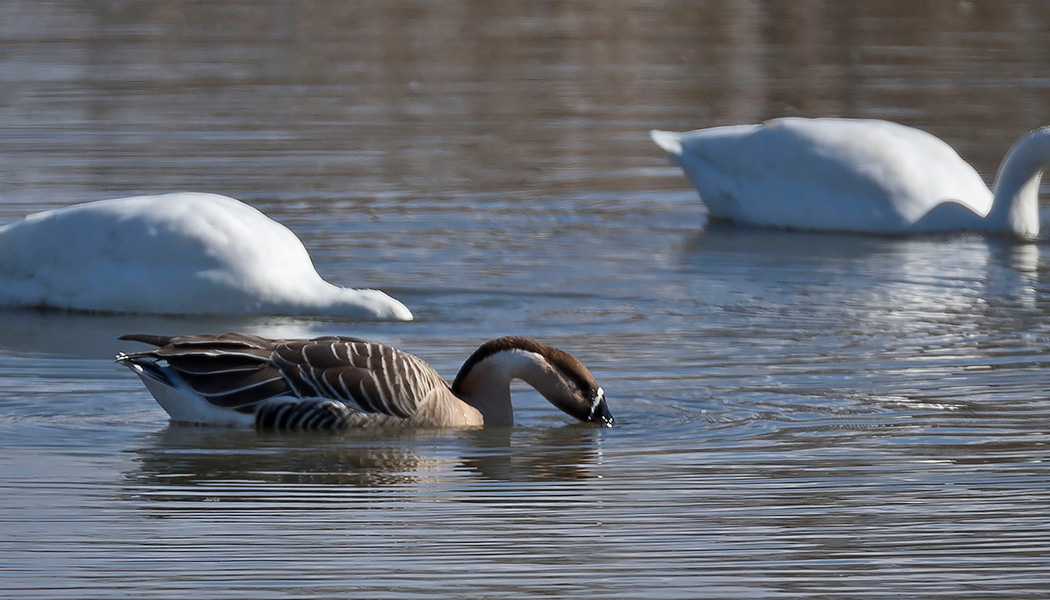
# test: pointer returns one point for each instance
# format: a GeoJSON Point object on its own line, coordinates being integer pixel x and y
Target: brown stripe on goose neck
{"type": "Point", "coordinates": [567, 363]}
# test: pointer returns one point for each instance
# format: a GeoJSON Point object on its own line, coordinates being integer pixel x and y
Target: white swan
{"type": "Point", "coordinates": [864, 176]}
{"type": "Point", "coordinates": [340, 382]}
{"type": "Point", "coordinates": [184, 253]}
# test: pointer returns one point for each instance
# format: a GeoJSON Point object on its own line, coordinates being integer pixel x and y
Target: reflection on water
{"type": "Point", "coordinates": [215, 464]}
{"type": "Point", "coordinates": [379, 102]}
{"type": "Point", "coordinates": [183, 459]}
{"type": "Point", "coordinates": [798, 416]}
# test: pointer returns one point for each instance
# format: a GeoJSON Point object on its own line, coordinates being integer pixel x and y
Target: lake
{"type": "Point", "coordinates": [798, 415]}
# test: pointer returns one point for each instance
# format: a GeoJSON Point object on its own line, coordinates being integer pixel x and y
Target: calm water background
{"type": "Point", "coordinates": [798, 416]}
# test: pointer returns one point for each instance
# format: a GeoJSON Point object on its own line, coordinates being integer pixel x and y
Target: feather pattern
{"type": "Point", "coordinates": [331, 383]}
{"type": "Point", "coordinates": [240, 371]}
{"type": "Point", "coordinates": [305, 415]}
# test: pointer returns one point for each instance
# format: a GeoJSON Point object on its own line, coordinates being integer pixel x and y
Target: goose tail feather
{"type": "Point", "coordinates": [145, 368]}
{"type": "Point", "coordinates": [147, 338]}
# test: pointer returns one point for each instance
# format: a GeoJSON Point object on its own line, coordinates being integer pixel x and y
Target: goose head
{"type": "Point", "coordinates": [484, 380]}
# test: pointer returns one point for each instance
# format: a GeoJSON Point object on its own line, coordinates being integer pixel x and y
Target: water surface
{"type": "Point", "coordinates": [798, 416]}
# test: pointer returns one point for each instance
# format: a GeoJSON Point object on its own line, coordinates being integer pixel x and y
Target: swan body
{"type": "Point", "coordinates": [333, 383]}
{"type": "Point", "coordinates": [862, 176]}
{"type": "Point", "coordinates": [183, 253]}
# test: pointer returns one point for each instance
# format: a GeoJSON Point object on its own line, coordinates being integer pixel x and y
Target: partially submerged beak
{"type": "Point", "coordinates": [600, 414]}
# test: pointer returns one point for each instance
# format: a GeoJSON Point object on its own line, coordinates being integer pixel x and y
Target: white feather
{"type": "Point", "coordinates": [864, 176]}
{"type": "Point", "coordinates": [185, 253]}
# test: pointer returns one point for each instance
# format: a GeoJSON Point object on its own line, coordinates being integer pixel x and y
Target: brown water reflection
{"type": "Point", "coordinates": [272, 100]}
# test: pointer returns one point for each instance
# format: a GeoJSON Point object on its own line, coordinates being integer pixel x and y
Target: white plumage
{"type": "Point", "coordinates": [864, 176]}
{"type": "Point", "coordinates": [184, 253]}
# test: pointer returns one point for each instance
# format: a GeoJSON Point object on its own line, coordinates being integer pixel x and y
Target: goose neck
{"type": "Point", "coordinates": [485, 384]}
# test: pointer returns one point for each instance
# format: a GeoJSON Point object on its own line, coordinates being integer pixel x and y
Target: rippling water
{"type": "Point", "coordinates": [797, 415]}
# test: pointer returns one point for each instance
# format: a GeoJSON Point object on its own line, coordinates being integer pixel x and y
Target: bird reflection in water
{"type": "Point", "coordinates": [195, 464]}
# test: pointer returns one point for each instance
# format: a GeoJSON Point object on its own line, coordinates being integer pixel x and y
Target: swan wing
{"type": "Point", "coordinates": [914, 170]}
{"type": "Point", "coordinates": [832, 174]}
{"type": "Point", "coordinates": [182, 253]}
{"type": "Point", "coordinates": [172, 253]}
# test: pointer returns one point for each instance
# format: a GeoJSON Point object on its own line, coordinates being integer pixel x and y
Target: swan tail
{"type": "Point", "coordinates": [670, 141]}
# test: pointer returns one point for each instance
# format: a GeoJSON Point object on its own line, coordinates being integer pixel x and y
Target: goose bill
{"type": "Point", "coordinates": [600, 413]}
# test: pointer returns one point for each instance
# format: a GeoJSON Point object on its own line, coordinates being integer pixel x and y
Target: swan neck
{"type": "Point", "coordinates": [320, 297]}
{"type": "Point", "coordinates": [1015, 205]}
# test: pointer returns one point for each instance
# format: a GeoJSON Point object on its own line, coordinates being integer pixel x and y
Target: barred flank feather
{"type": "Point", "coordinates": [287, 414]}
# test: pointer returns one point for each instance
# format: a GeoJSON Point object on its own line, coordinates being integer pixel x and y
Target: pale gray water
{"type": "Point", "coordinates": [798, 416]}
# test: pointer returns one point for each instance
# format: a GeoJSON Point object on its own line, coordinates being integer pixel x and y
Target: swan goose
{"type": "Point", "coordinates": [855, 175]}
{"type": "Point", "coordinates": [331, 383]}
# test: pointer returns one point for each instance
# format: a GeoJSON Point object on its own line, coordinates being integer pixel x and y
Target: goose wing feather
{"type": "Point", "coordinates": [372, 377]}
{"type": "Point", "coordinates": [242, 371]}
{"type": "Point", "coordinates": [232, 370]}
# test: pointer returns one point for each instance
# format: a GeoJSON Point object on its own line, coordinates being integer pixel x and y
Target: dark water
{"type": "Point", "coordinates": [798, 416]}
